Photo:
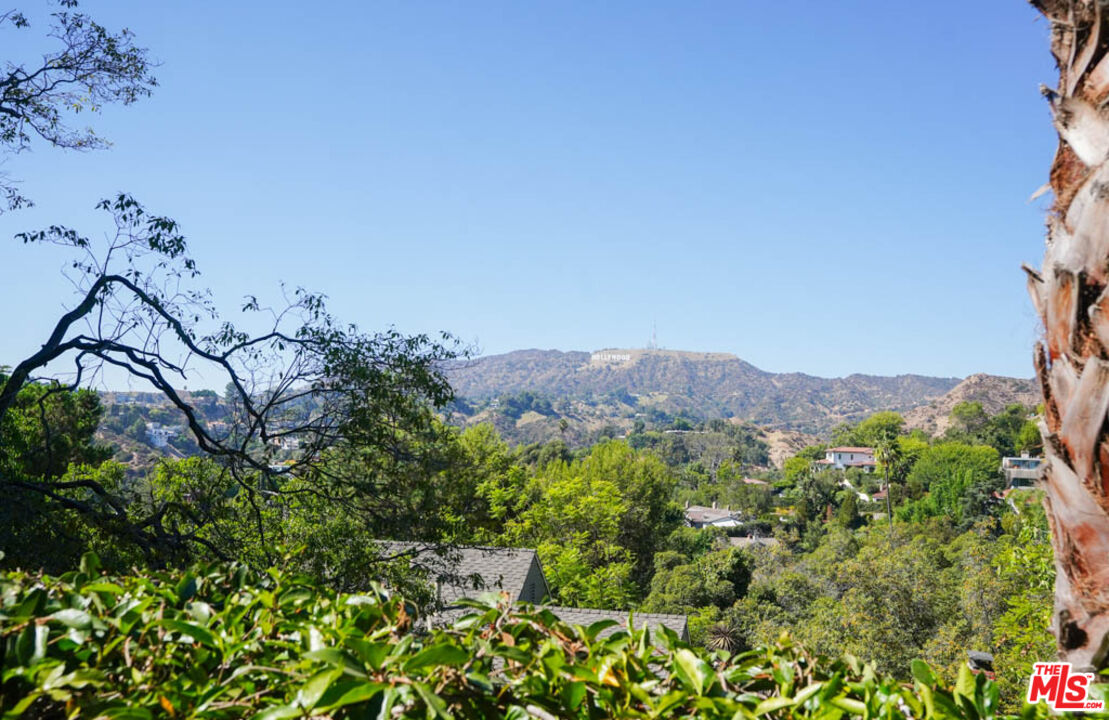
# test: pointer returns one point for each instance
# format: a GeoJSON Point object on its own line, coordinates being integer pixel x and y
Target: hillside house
{"type": "Point", "coordinates": [158, 435]}
{"type": "Point", "coordinates": [841, 458]}
{"type": "Point", "coordinates": [699, 516]}
{"type": "Point", "coordinates": [470, 571]}
{"type": "Point", "coordinates": [1022, 472]}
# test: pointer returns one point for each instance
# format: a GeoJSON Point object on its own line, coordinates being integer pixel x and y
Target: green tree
{"type": "Point", "coordinates": [969, 417]}
{"type": "Point", "coordinates": [89, 67]}
{"type": "Point", "coordinates": [597, 523]}
{"type": "Point", "coordinates": [362, 405]}
{"type": "Point", "coordinates": [878, 427]}
{"type": "Point", "coordinates": [947, 460]}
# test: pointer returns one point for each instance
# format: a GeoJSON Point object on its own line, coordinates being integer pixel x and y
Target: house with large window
{"type": "Point", "coordinates": [1022, 472]}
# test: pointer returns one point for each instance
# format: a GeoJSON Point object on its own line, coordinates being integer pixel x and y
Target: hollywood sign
{"type": "Point", "coordinates": [611, 357]}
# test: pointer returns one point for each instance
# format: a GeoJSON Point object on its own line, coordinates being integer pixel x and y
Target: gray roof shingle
{"type": "Point", "coordinates": [469, 571]}
{"type": "Point", "coordinates": [588, 616]}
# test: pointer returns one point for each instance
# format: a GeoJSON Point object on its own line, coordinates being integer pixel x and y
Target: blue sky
{"type": "Point", "coordinates": [818, 187]}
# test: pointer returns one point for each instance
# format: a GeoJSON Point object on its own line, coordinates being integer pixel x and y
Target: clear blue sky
{"type": "Point", "coordinates": [824, 187]}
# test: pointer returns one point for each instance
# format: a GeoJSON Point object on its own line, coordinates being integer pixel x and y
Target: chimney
{"type": "Point", "coordinates": [686, 504]}
{"type": "Point", "coordinates": [713, 504]}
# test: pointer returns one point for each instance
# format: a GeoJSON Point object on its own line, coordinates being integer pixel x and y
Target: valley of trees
{"type": "Point", "coordinates": [245, 575]}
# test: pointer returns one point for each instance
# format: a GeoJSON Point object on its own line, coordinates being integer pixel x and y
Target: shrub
{"type": "Point", "coordinates": [226, 642]}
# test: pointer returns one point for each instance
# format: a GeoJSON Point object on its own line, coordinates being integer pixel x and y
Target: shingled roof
{"type": "Point", "coordinates": [469, 571]}
{"type": "Point", "coordinates": [587, 616]}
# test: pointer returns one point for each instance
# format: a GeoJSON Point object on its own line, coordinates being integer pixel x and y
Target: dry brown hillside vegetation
{"type": "Point", "coordinates": [993, 392]}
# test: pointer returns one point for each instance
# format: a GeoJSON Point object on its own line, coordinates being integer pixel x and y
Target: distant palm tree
{"type": "Point", "coordinates": [1072, 299]}
{"type": "Point", "coordinates": [888, 452]}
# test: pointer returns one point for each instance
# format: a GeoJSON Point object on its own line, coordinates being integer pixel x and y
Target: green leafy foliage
{"type": "Point", "coordinates": [228, 643]}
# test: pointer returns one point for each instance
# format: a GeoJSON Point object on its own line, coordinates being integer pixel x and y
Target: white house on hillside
{"type": "Point", "coordinates": [842, 458]}
{"type": "Point", "coordinates": [158, 435]}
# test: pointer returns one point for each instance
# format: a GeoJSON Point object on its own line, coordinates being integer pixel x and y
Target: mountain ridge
{"type": "Point", "coordinates": [696, 384]}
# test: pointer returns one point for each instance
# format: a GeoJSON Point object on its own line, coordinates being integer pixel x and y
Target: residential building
{"type": "Point", "coordinates": [158, 435]}
{"type": "Point", "coordinates": [469, 571]}
{"type": "Point", "coordinates": [699, 516]}
{"type": "Point", "coordinates": [1023, 471]}
{"type": "Point", "coordinates": [841, 458]}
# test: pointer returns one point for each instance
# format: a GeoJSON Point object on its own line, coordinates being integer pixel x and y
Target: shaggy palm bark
{"type": "Point", "coordinates": [1072, 362]}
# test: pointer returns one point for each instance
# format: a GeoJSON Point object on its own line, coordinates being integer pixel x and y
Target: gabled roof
{"type": "Point", "coordinates": [469, 571]}
{"type": "Point", "coordinates": [850, 450]}
{"type": "Point", "coordinates": [702, 514]}
{"type": "Point", "coordinates": [587, 616]}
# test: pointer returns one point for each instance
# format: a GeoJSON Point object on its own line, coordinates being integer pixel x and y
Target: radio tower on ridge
{"type": "Point", "coordinates": [654, 336]}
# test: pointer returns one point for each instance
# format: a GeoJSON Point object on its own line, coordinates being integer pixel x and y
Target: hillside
{"type": "Point", "coordinates": [699, 385]}
{"type": "Point", "coordinates": [992, 391]}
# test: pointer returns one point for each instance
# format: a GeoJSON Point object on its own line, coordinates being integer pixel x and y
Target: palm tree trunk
{"type": "Point", "coordinates": [1071, 295]}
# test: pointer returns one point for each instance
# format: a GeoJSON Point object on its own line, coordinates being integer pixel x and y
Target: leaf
{"type": "Point", "coordinates": [696, 670]}
{"type": "Point", "coordinates": [337, 658]}
{"type": "Point", "coordinates": [772, 704]}
{"type": "Point", "coordinates": [90, 564]}
{"type": "Point", "coordinates": [127, 713]}
{"type": "Point", "coordinates": [371, 653]}
{"type": "Point", "coordinates": [311, 692]}
{"type": "Point", "coordinates": [279, 712]}
{"type": "Point", "coordinates": [573, 693]}
{"type": "Point", "coordinates": [964, 684]}
{"type": "Point", "coordinates": [186, 588]}
{"type": "Point", "coordinates": [433, 702]}
{"type": "Point", "coordinates": [197, 633]}
{"type": "Point", "coordinates": [442, 654]}
{"type": "Point", "coordinates": [104, 587]}
{"type": "Point", "coordinates": [850, 705]}
{"type": "Point", "coordinates": [807, 693]}
{"type": "Point", "coordinates": [596, 628]}
{"type": "Point", "coordinates": [73, 618]}
{"type": "Point", "coordinates": [923, 673]}
{"type": "Point", "coordinates": [346, 693]}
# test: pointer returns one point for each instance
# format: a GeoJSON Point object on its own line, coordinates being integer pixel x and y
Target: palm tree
{"type": "Point", "coordinates": [888, 452]}
{"type": "Point", "coordinates": [1072, 361]}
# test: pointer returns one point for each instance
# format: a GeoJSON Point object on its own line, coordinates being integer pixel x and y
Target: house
{"type": "Point", "coordinates": [469, 571]}
{"type": "Point", "coordinates": [158, 435]}
{"type": "Point", "coordinates": [749, 542]}
{"type": "Point", "coordinates": [699, 516]}
{"type": "Point", "coordinates": [754, 481]}
{"type": "Point", "coordinates": [841, 458]}
{"type": "Point", "coordinates": [1022, 472]}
